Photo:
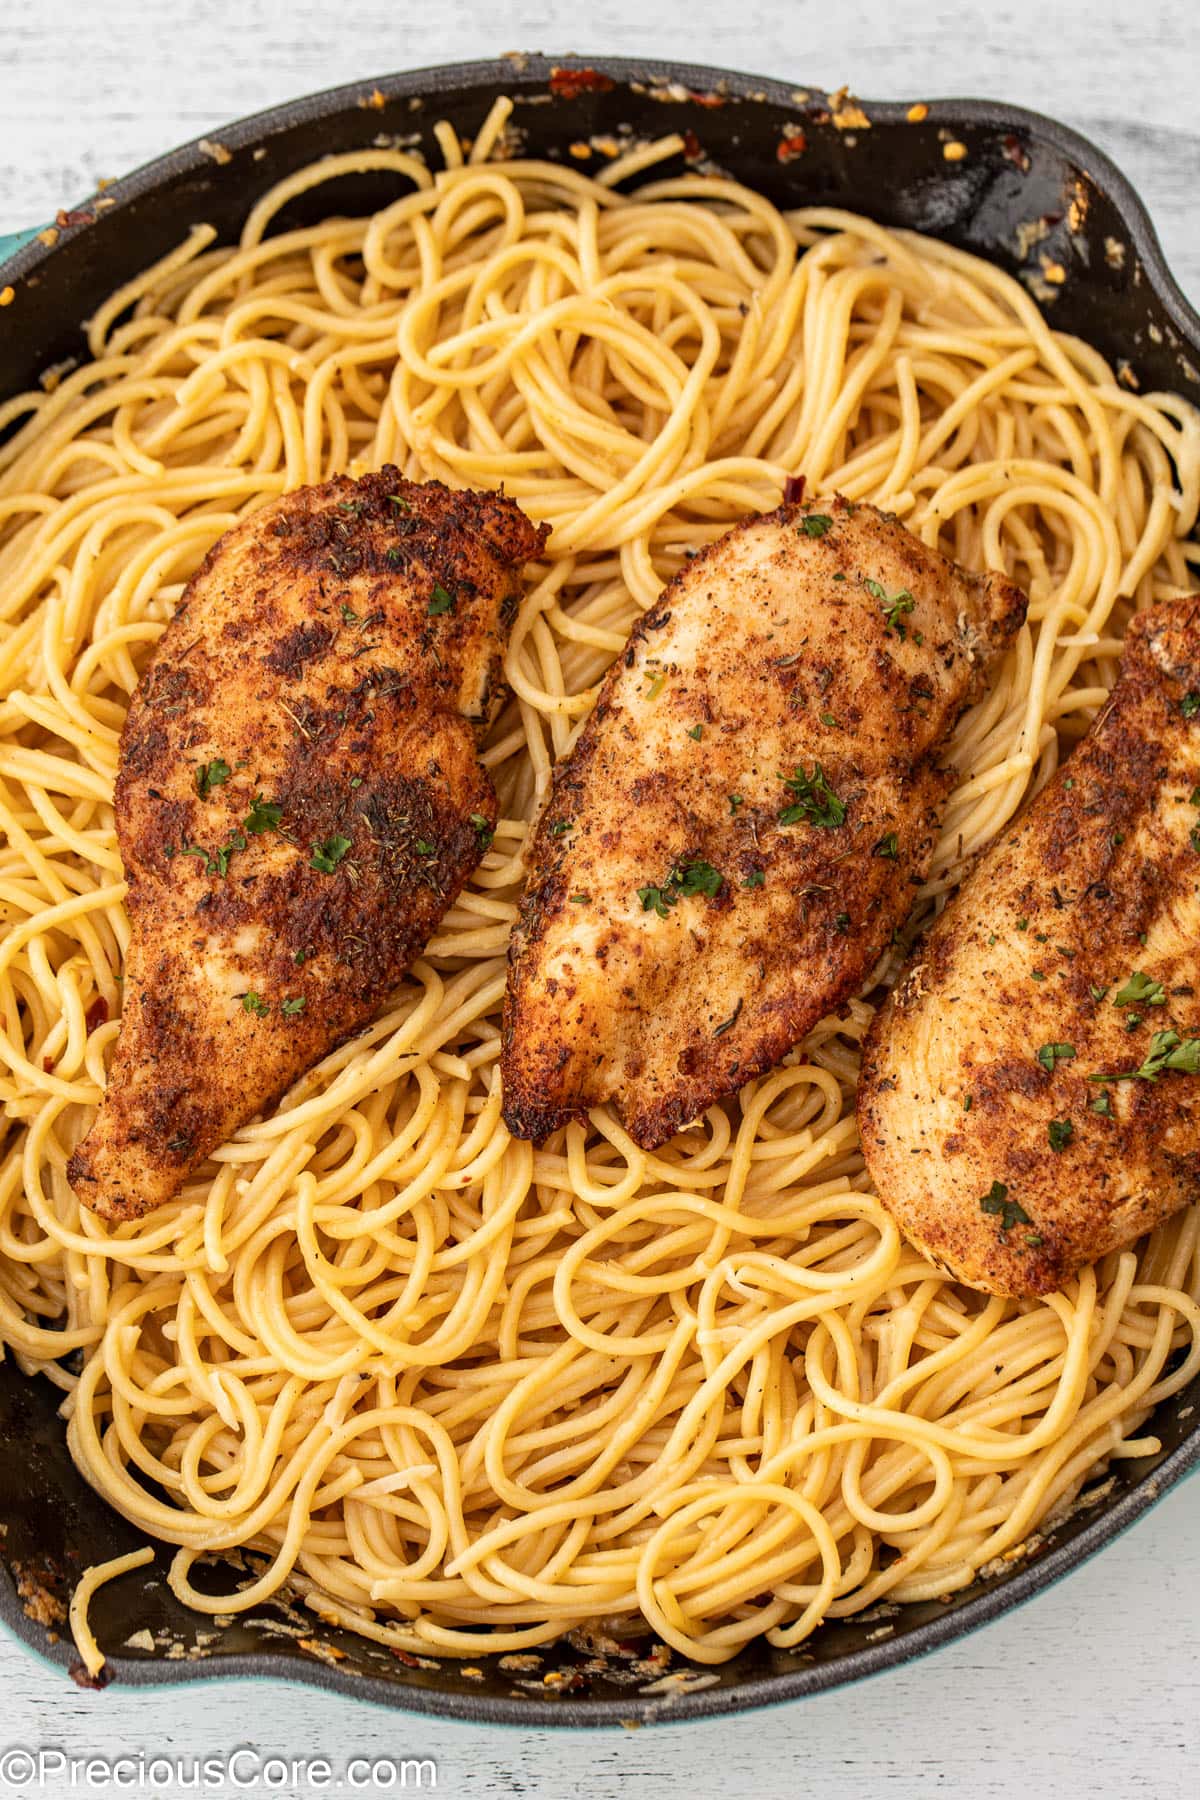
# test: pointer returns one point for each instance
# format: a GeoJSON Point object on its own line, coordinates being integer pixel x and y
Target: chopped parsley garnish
{"type": "Point", "coordinates": [264, 815]}
{"type": "Point", "coordinates": [1102, 1104]}
{"type": "Point", "coordinates": [1189, 706]}
{"type": "Point", "coordinates": [657, 899]}
{"type": "Point", "coordinates": [828, 719]}
{"type": "Point", "coordinates": [425, 848]}
{"type": "Point", "coordinates": [562, 826]}
{"type": "Point", "coordinates": [735, 800]}
{"type": "Point", "coordinates": [210, 775]}
{"type": "Point", "coordinates": [483, 831]}
{"type": "Point", "coordinates": [349, 616]}
{"type": "Point", "coordinates": [656, 685]}
{"type": "Point", "coordinates": [216, 862]}
{"type": "Point", "coordinates": [295, 1003]}
{"type": "Point", "coordinates": [730, 1022]}
{"type": "Point", "coordinates": [1022, 924]}
{"type": "Point", "coordinates": [1140, 990]}
{"type": "Point", "coordinates": [328, 854]}
{"type": "Point", "coordinates": [696, 732]}
{"type": "Point", "coordinates": [356, 781]}
{"type": "Point", "coordinates": [895, 605]}
{"type": "Point", "coordinates": [888, 847]}
{"type": "Point", "coordinates": [1050, 1054]}
{"type": "Point", "coordinates": [755, 878]}
{"type": "Point", "coordinates": [815, 803]}
{"type": "Point", "coordinates": [1060, 1132]}
{"type": "Point", "coordinates": [401, 502]}
{"type": "Point", "coordinates": [841, 922]}
{"type": "Point", "coordinates": [684, 880]}
{"type": "Point", "coordinates": [816, 524]}
{"type": "Point", "coordinates": [1097, 993]}
{"type": "Point", "coordinates": [1167, 1051]}
{"type": "Point", "coordinates": [254, 1003]}
{"type": "Point", "coordinates": [442, 602]}
{"type": "Point", "coordinates": [697, 878]}
{"type": "Point", "coordinates": [1010, 1212]}
{"type": "Point", "coordinates": [580, 899]}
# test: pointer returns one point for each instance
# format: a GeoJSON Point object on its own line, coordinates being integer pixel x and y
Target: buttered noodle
{"type": "Point", "coordinates": [462, 1394]}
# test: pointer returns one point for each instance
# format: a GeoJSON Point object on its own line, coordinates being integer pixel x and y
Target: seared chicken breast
{"type": "Point", "coordinates": [298, 802]}
{"type": "Point", "coordinates": [1029, 1096]}
{"type": "Point", "coordinates": [743, 820]}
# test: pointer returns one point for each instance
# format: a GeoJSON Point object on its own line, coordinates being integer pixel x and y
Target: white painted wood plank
{"type": "Point", "coordinates": [1094, 1687]}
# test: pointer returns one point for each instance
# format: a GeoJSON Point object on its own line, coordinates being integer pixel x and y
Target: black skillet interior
{"type": "Point", "coordinates": [1028, 194]}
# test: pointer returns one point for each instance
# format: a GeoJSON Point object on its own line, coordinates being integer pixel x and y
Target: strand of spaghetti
{"type": "Point", "coordinates": [91, 1579]}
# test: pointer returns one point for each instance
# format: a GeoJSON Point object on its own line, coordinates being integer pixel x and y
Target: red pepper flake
{"type": "Point", "coordinates": [710, 98]}
{"type": "Point", "coordinates": [1015, 153]}
{"type": "Point", "coordinates": [97, 1013]}
{"type": "Point", "coordinates": [691, 147]}
{"type": "Point", "coordinates": [793, 490]}
{"type": "Point", "coordinates": [48, 1064]}
{"type": "Point", "coordinates": [403, 1656]}
{"type": "Point", "coordinates": [789, 148]}
{"type": "Point", "coordinates": [568, 84]}
{"type": "Point", "coordinates": [63, 219]}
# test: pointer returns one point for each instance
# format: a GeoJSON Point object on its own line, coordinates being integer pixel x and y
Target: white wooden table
{"type": "Point", "coordinates": [1094, 1687]}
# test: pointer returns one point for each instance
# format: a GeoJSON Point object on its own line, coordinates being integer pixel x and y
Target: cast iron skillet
{"type": "Point", "coordinates": [1029, 194]}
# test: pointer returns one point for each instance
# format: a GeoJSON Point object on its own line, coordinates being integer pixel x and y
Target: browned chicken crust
{"type": "Point", "coordinates": [1074, 944]}
{"type": "Point", "coordinates": [298, 802]}
{"type": "Point", "coordinates": [744, 818]}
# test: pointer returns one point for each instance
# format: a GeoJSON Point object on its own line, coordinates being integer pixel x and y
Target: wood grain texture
{"type": "Point", "coordinates": [1094, 1686]}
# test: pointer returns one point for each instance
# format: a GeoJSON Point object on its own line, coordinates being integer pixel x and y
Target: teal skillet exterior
{"type": "Point", "coordinates": [14, 241]}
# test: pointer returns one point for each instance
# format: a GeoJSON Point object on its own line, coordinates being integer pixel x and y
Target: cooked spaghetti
{"type": "Point", "coordinates": [458, 1393]}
